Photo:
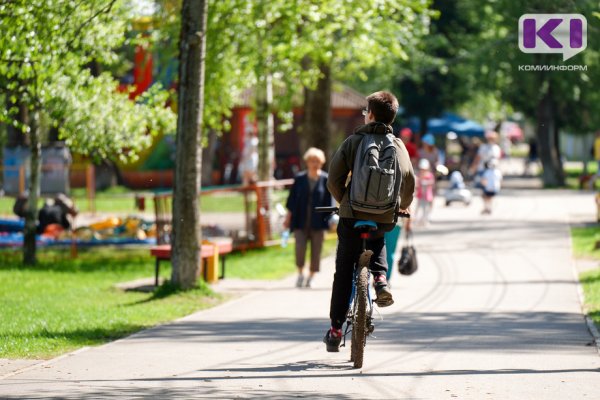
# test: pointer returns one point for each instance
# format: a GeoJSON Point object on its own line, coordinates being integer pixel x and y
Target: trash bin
{"type": "Point", "coordinates": [211, 263]}
{"type": "Point", "coordinates": [56, 161]}
{"type": "Point", "coordinates": [14, 159]}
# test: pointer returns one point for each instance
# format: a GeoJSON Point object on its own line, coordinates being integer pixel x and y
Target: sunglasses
{"type": "Point", "coordinates": [365, 112]}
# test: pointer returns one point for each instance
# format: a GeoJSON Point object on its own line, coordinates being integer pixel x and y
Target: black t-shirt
{"type": "Point", "coordinates": [52, 214]}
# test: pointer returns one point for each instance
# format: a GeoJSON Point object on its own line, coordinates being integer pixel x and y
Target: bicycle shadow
{"type": "Point", "coordinates": [297, 366]}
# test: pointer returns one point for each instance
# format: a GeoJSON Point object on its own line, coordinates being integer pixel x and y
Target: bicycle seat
{"type": "Point", "coordinates": [366, 225]}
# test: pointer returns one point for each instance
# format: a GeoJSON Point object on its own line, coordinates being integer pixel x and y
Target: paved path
{"type": "Point", "coordinates": [493, 313]}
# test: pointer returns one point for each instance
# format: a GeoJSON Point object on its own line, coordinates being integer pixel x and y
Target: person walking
{"type": "Point", "coordinates": [486, 152]}
{"type": "Point", "coordinates": [406, 135]}
{"type": "Point", "coordinates": [491, 181]}
{"type": "Point", "coordinates": [429, 152]}
{"type": "Point", "coordinates": [532, 157]}
{"type": "Point", "coordinates": [348, 163]}
{"type": "Point", "coordinates": [424, 192]}
{"type": "Point", "coordinates": [308, 191]}
{"type": "Point", "coordinates": [391, 242]}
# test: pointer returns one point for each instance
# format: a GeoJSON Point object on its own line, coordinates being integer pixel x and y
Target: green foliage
{"type": "Point", "coordinates": [46, 49]}
{"type": "Point", "coordinates": [246, 40]}
{"type": "Point", "coordinates": [98, 121]}
{"type": "Point", "coordinates": [471, 57]}
{"type": "Point", "coordinates": [495, 58]}
{"type": "Point", "coordinates": [438, 78]}
{"type": "Point", "coordinates": [228, 51]}
{"type": "Point", "coordinates": [482, 106]}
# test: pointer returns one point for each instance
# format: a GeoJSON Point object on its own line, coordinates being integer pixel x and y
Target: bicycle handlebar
{"type": "Point", "coordinates": [331, 209]}
{"type": "Point", "coordinates": [334, 209]}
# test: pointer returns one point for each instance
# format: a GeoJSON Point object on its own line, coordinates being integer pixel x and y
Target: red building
{"type": "Point", "coordinates": [346, 108]}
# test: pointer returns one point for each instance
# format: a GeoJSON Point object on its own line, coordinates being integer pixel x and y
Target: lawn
{"type": "Point", "coordinates": [590, 281]}
{"type": "Point", "coordinates": [574, 171]}
{"type": "Point", "coordinates": [122, 200]}
{"type": "Point", "coordinates": [584, 240]}
{"type": "Point", "coordinates": [253, 265]}
{"type": "Point", "coordinates": [63, 304]}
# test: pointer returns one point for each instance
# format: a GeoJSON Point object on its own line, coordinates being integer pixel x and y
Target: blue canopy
{"type": "Point", "coordinates": [448, 123]}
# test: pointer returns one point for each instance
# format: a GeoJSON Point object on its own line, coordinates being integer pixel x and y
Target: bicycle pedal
{"type": "Point", "coordinates": [384, 302]}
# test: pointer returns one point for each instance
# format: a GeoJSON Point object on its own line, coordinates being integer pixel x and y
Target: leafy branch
{"type": "Point", "coordinates": [78, 31]}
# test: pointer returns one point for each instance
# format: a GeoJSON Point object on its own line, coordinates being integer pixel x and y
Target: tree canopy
{"type": "Point", "coordinates": [46, 50]}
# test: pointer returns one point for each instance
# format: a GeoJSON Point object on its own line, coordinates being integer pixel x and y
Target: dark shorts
{"type": "Point", "coordinates": [489, 194]}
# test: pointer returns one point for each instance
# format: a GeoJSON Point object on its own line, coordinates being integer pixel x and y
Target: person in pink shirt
{"type": "Point", "coordinates": [406, 136]}
{"type": "Point", "coordinates": [424, 192]}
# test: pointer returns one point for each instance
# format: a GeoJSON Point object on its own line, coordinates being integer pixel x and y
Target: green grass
{"type": "Point", "coordinates": [63, 304]}
{"type": "Point", "coordinates": [519, 151]}
{"type": "Point", "coordinates": [590, 281]}
{"type": "Point", "coordinates": [573, 172]}
{"type": "Point", "coordinates": [273, 262]}
{"type": "Point", "coordinates": [119, 199]}
{"type": "Point", "coordinates": [584, 241]}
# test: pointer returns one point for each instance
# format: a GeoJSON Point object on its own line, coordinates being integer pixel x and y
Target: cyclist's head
{"type": "Point", "coordinates": [383, 106]}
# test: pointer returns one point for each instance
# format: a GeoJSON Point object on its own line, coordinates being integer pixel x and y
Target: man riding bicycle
{"type": "Point", "coordinates": [380, 113]}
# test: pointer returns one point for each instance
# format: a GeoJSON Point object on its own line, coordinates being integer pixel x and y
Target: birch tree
{"type": "Point", "coordinates": [46, 47]}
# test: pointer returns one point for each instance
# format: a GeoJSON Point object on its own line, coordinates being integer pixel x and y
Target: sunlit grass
{"type": "Point", "coordinates": [590, 281]}
{"type": "Point", "coordinates": [270, 262]}
{"type": "Point", "coordinates": [122, 200]}
{"type": "Point", "coordinates": [584, 241]}
{"type": "Point", "coordinates": [63, 304]}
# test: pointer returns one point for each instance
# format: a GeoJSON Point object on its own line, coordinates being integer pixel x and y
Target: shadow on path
{"type": "Point", "coordinates": [201, 387]}
{"type": "Point", "coordinates": [433, 331]}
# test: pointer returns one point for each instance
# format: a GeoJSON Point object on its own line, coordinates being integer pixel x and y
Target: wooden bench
{"type": "Point", "coordinates": [163, 252]}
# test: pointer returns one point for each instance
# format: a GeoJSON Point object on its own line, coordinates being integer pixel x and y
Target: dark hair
{"type": "Point", "coordinates": [384, 106]}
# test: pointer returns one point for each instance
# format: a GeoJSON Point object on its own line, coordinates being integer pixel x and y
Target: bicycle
{"type": "Point", "coordinates": [359, 318]}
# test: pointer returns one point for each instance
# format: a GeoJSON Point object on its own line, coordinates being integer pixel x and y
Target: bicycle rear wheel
{"type": "Point", "coordinates": [359, 324]}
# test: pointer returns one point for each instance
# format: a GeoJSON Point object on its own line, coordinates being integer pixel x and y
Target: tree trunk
{"type": "Point", "coordinates": [546, 133]}
{"type": "Point", "coordinates": [16, 137]}
{"type": "Point", "coordinates": [266, 152]}
{"type": "Point", "coordinates": [186, 211]}
{"type": "Point", "coordinates": [316, 126]}
{"type": "Point", "coordinates": [29, 245]}
{"type": "Point", "coordinates": [423, 125]}
{"type": "Point", "coordinates": [559, 165]}
{"type": "Point", "coordinates": [266, 128]}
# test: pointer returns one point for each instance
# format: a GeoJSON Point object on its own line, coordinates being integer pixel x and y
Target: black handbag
{"type": "Point", "coordinates": [407, 264]}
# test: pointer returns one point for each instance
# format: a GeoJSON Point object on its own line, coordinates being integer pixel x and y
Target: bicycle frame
{"type": "Point", "coordinates": [359, 319]}
{"type": "Point", "coordinates": [360, 307]}
{"type": "Point", "coordinates": [355, 274]}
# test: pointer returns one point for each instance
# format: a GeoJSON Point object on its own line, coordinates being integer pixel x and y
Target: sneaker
{"type": "Point", "coordinates": [382, 289]}
{"type": "Point", "coordinates": [300, 280]}
{"type": "Point", "coordinates": [308, 282]}
{"type": "Point", "coordinates": [332, 339]}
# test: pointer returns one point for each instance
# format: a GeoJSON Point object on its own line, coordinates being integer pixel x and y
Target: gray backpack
{"type": "Point", "coordinates": [376, 175]}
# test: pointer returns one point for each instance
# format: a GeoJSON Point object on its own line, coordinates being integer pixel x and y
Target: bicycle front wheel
{"type": "Point", "coordinates": [359, 325]}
